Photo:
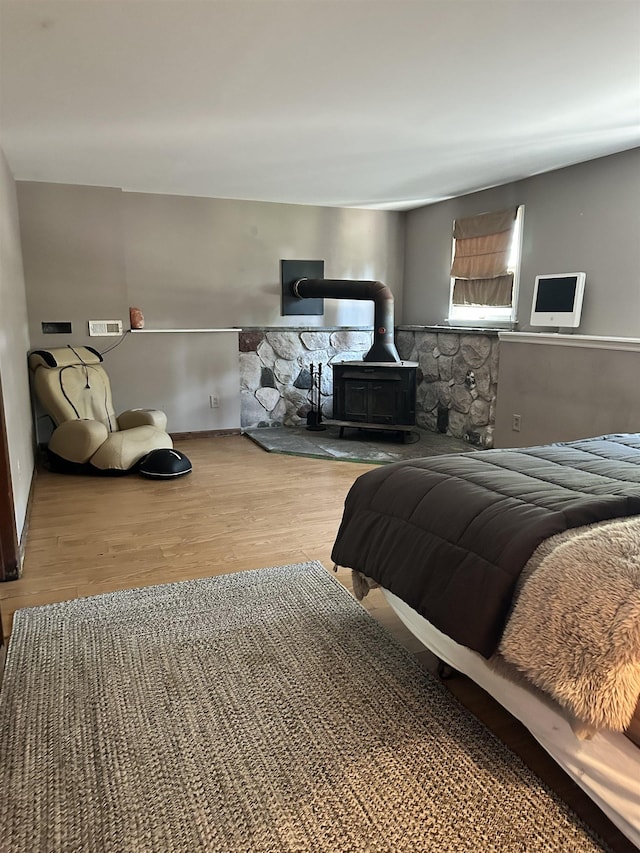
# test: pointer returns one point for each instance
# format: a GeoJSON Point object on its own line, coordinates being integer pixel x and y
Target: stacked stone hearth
{"type": "Point", "coordinates": [456, 378]}
{"type": "Point", "coordinates": [457, 381]}
{"type": "Point", "coordinates": [275, 371]}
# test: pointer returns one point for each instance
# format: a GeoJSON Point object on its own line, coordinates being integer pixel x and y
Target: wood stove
{"type": "Point", "coordinates": [380, 391]}
{"type": "Point", "coordinates": [377, 395]}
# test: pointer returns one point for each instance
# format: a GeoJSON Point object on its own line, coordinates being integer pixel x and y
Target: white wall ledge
{"type": "Point", "coordinates": [180, 331]}
{"type": "Point", "coordinates": [560, 340]}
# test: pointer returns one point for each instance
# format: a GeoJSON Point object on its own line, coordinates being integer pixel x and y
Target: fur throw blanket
{"type": "Point", "coordinates": [574, 631]}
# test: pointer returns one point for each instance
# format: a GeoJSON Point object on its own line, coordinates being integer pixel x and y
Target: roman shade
{"type": "Point", "coordinates": [482, 245]}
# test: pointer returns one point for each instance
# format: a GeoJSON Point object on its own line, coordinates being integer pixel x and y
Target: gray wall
{"type": "Point", "coordinates": [583, 218]}
{"type": "Point", "coordinates": [565, 392]}
{"type": "Point", "coordinates": [188, 263]}
{"type": "Point", "coordinates": [14, 345]}
{"type": "Point", "coordinates": [193, 262]}
{"type": "Point", "coordinates": [90, 253]}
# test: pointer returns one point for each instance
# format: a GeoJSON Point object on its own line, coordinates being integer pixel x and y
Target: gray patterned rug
{"type": "Point", "coordinates": [259, 711]}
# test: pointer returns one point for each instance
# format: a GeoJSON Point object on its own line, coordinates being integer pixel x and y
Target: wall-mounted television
{"type": "Point", "coordinates": [557, 299]}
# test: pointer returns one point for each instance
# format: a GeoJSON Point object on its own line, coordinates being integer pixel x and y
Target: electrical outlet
{"type": "Point", "coordinates": [516, 422]}
{"type": "Point", "coordinates": [214, 401]}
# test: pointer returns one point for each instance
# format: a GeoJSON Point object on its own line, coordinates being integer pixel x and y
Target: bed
{"type": "Point", "coordinates": [521, 569]}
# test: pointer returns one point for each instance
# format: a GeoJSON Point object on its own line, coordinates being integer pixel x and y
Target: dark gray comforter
{"type": "Point", "coordinates": [451, 534]}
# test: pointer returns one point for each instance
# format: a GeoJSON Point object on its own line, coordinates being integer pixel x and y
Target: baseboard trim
{"type": "Point", "coordinates": [22, 546]}
{"type": "Point", "coordinates": [13, 567]}
{"type": "Point", "coordinates": [27, 521]}
{"type": "Point", "coordinates": [205, 433]}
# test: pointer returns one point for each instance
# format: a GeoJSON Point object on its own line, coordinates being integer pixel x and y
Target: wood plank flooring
{"type": "Point", "coordinates": [241, 508]}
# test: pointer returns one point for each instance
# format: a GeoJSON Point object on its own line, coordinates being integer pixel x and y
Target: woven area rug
{"type": "Point", "coordinates": [258, 711]}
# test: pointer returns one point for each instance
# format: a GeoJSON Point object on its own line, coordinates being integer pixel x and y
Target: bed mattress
{"type": "Point", "coordinates": [451, 534]}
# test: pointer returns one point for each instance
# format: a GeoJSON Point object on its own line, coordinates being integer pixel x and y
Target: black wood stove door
{"type": "Point", "coordinates": [374, 395]}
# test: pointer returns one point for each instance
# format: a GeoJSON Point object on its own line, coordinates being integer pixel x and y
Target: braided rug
{"type": "Point", "coordinates": [258, 711]}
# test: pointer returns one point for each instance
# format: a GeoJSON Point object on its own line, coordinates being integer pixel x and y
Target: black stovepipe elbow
{"type": "Point", "coordinates": [383, 348]}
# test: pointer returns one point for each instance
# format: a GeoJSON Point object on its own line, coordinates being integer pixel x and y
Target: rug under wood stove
{"type": "Point", "coordinates": [258, 711]}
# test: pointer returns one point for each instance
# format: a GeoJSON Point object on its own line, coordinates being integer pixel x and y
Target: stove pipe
{"type": "Point", "coordinates": [384, 348]}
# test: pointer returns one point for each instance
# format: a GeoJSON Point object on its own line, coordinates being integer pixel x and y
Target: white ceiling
{"type": "Point", "coordinates": [376, 103]}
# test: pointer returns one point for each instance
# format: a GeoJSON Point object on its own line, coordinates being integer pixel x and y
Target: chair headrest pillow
{"type": "Point", "coordinates": [63, 356]}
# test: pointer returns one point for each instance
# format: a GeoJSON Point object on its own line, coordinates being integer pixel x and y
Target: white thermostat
{"type": "Point", "coordinates": [104, 328]}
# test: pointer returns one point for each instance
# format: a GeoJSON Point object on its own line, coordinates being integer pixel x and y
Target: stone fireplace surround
{"type": "Point", "coordinates": [456, 378]}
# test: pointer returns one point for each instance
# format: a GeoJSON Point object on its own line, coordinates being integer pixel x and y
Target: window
{"type": "Point", "coordinates": [485, 268]}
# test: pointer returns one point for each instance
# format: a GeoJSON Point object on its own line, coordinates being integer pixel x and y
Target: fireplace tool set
{"type": "Point", "coordinates": [314, 415]}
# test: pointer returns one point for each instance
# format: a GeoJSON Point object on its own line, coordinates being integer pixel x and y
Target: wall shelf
{"type": "Point", "coordinates": [563, 340]}
{"type": "Point", "coordinates": [181, 331]}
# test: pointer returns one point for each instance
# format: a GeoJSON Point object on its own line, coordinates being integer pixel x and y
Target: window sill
{"type": "Point", "coordinates": [454, 330]}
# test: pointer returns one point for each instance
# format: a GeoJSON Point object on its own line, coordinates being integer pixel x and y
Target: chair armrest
{"type": "Point", "coordinates": [142, 417]}
{"type": "Point", "coordinates": [77, 441]}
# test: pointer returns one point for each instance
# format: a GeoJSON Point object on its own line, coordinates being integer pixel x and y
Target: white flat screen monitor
{"type": "Point", "coordinates": [557, 299]}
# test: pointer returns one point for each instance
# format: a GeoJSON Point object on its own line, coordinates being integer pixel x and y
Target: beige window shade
{"type": "Point", "coordinates": [481, 257]}
{"type": "Point", "coordinates": [484, 291]}
{"type": "Point", "coordinates": [485, 223]}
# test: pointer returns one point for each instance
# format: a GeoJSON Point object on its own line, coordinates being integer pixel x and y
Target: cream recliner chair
{"type": "Point", "coordinates": [74, 390]}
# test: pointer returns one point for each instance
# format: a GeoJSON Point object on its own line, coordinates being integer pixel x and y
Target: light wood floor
{"type": "Point", "coordinates": [241, 508]}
